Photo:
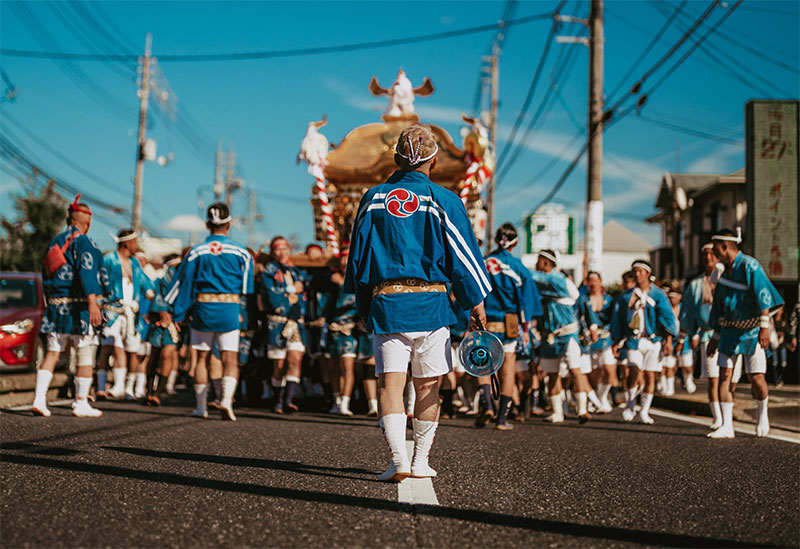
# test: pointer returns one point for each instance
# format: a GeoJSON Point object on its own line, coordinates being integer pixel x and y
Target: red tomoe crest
{"type": "Point", "coordinates": [215, 247]}
{"type": "Point", "coordinates": [401, 203]}
{"type": "Point", "coordinates": [493, 266]}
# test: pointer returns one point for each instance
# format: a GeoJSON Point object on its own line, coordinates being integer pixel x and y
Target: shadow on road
{"type": "Point", "coordinates": [469, 515]}
{"type": "Point", "coordinates": [292, 466]}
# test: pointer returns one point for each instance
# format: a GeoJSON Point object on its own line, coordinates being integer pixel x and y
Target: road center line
{"type": "Point", "coordinates": [416, 491]}
{"type": "Point", "coordinates": [738, 426]}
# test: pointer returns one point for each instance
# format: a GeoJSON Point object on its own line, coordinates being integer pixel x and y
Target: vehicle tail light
{"type": "Point", "coordinates": [18, 327]}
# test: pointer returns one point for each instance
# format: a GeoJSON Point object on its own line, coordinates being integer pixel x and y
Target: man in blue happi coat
{"type": "Point", "coordinates": [740, 316]}
{"type": "Point", "coordinates": [211, 280]}
{"type": "Point", "coordinates": [411, 238]}
{"type": "Point", "coordinates": [73, 317]}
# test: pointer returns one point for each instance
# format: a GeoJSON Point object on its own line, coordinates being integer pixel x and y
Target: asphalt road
{"type": "Point", "coordinates": [144, 477]}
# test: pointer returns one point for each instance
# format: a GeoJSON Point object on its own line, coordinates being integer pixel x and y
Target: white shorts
{"type": "Point", "coordinates": [522, 365]}
{"type": "Point", "coordinates": [144, 348]}
{"type": "Point", "coordinates": [563, 364]}
{"type": "Point", "coordinates": [646, 357]}
{"type": "Point", "coordinates": [686, 360]}
{"type": "Point", "coordinates": [510, 347]}
{"type": "Point", "coordinates": [117, 335]}
{"type": "Point", "coordinates": [457, 366]}
{"type": "Point", "coordinates": [226, 341]}
{"type": "Point", "coordinates": [84, 346]}
{"type": "Point", "coordinates": [278, 353]}
{"type": "Point", "coordinates": [709, 366]}
{"type": "Point", "coordinates": [669, 361]}
{"type": "Point", "coordinates": [753, 364]}
{"type": "Point", "coordinates": [603, 358]}
{"type": "Point", "coordinates": [586, 363]}
{"type": "Point", "coordinates": [429, 353]}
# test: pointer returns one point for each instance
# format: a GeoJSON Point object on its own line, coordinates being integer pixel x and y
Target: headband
{"type": "Point", "coordinates": [126, 238]}
{"type": "Point", "coordinates": [554, 258]}
{"type": "Point", "coordinates": [413, 154]}
{"type": "Point", "coordinates": [727, 238]}
{"type": "Point", "coordinates": [676, 293]}
{"type": "Point", "coordinates": [505, 245]}
{"type": "Point", "coordinates": [642, 265]}
{"type": "Point", "coordinates": [75, 207]}
{"type": "Point", "coordinates": [214, 218]}
{"type": "Point", "coordinates": [708, 246]}
{"type": "Point", "coordinates": [173, 261]}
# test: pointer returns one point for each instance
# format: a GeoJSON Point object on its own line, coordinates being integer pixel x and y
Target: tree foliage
{"type": "Point", "coordinates": [25, 239]}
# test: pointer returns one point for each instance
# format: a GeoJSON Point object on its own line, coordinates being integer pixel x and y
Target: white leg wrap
{"type": "Point", "coordinates": [726, 431]}
{"type": "Point", "coordinates": [762, 419]}
{"type": "Point", "coordinates": [228, 390]}
{"type": "Point", "coordinates": [595, 400]}
{"type": "Point", "coordinates": [581, 398]}
{"type": "Point", "coordinates": [716, 414]}
{"type": "Point", "coordinates": [43, 379]}
{"type": "Point", "coordinates": [557, 402]}
{"type": "Point", "coordinates": [394, 431]}
{"type": "Point", "coordinates": [201, 396]}
{"type": "Point", "coordinates": [424, 433]}
{"type": "Point", "coordinates": [647, 400]}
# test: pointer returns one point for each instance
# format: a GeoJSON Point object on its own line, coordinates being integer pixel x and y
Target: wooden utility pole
{"type": "Point", "coordinates": [594, 196]}
{"type": "Point", "coordinates": [495, 94]}
{"type": "Point", "coordinates": [251, 219]}
{"type": "Point", "coordinates": [231, 164]}
{"type": "Point", "coordinates": [218, 186]}
{"type": "Point", "coordinates": [144, 92]}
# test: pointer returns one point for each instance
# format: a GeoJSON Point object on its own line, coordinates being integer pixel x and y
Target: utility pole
{"type": "Point", "coordinates": [218, 187]}
{"type": "Point", "coordinates": [144, 92]}
{"type": "Point", "coordinates": [231, 163]}
{"type": "Point", "coordinates": [594, 196]}
{"type": "Point", "coordinates": [495, 94]}
{"type": "Point", "coordinates": [251, 219]}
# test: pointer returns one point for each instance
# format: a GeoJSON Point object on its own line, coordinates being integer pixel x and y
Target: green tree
{"type": "Point", "coordinates": [25, 239]}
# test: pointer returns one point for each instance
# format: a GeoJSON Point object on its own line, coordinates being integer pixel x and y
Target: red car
{"type": "Point", "coordinates": [21, 313]}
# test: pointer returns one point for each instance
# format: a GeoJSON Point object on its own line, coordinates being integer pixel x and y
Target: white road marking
{"type": "Point", "coordinates": [738, 426]}
{"type": "Point", "coordinates": [416, 491]}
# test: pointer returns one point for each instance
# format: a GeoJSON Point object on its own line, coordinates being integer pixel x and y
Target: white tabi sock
{"type": "Point", "coordinates": [373, 405]}
{"type": "Point", "coordinates": [581, 398]}
{"type": "Point", "coordinates": [424, 433]}
{"type": "Point", "coordinates": [630, 397]}
{"type": "Point", "coordinates": [602, 393]}
{"type": "Point", "coordinates": [82, 386]}
{"type": "Point", "coordinates": [129, 383]}
{"type": "Point", "coordinates": [278, 383]}
{"type": "Point", "coordinates": [647, 400]}
{"type": "Point", "coordinates": [173, 375]}
{"type": "Point", "coordinates": [726, 431]}
{"type": "Point", "coordinates": [102, 375]}
{"type": "Point", "coordinates": [762, 419]}
{"type": "Point", "coordinates": [43, 379]}
{"type": "Point", "coordinates": [141, 381]}
{"type": "Point", "coordinates": [594, 400]}
{"type": "Point", "coordinates": [557, 401]}
{"type": "Point", "coordinates": [344, 407]}
{"type": "Point", "coordinates": [671, 386]}
{"type": "Point", "coordinates": [201, 396]}
{"type": "Point", "coordinates": [394, 431]}
{"type": "Point", "coordinates": [716, 413]}
{"type": "Point", "coordinates": [119, 379]}
{"type": "Point", "coordinates": [228, 390]}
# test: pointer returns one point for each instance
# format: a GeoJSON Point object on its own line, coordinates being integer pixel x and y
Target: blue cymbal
{"type": "Point", "coordinates": [481, 353]}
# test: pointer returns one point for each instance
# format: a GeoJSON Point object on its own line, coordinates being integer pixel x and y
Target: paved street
{"type": "Point", "coordinates": [144, 477]}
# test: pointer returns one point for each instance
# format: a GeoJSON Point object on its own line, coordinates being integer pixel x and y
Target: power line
{"type": "Point", "coordinates": [656, 37]}
{"type": "Point", "coordinates": [534, 82]}
{"type": "Point", "coordinates": [271, 54]}
{"type": "Point", "coordinates": [733, 72]}
{"type": "Point", "coordinates": [689, 131]}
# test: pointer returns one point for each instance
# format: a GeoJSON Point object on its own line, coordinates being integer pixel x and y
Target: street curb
{"type": "Point", "coordinates": [692, 407]}
{"type": "Point", "coordinates": [18, 389]}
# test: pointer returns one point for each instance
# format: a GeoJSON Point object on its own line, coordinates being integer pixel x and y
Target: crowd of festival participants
{"type": "Point", "coordinates": [253, 328]}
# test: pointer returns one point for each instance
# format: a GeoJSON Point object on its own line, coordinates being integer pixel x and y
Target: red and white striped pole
{"type": "Point", "coordinates": [325, 206]}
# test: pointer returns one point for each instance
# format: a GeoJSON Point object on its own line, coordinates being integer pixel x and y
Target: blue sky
{"type": "Point", "coordinates": [263, 106]}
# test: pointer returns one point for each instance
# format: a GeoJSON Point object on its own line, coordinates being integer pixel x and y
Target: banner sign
{"type": "Point", "coordinates": [773, 232]}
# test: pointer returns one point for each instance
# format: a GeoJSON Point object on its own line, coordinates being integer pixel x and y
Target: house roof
{"type": "Point", "coordinates": [693, 184]}
{"type": "Point", "coordinates": [617, 238]}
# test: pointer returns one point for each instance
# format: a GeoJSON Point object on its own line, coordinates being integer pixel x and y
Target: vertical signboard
{"type": "Point", "coordinates": [550, 228]}
{"type": "Point", "coordinates": [773, 232]}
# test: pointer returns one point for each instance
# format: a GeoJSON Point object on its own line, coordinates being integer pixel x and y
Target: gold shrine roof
{"type": "Point", "coordinates": [365, 157]}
